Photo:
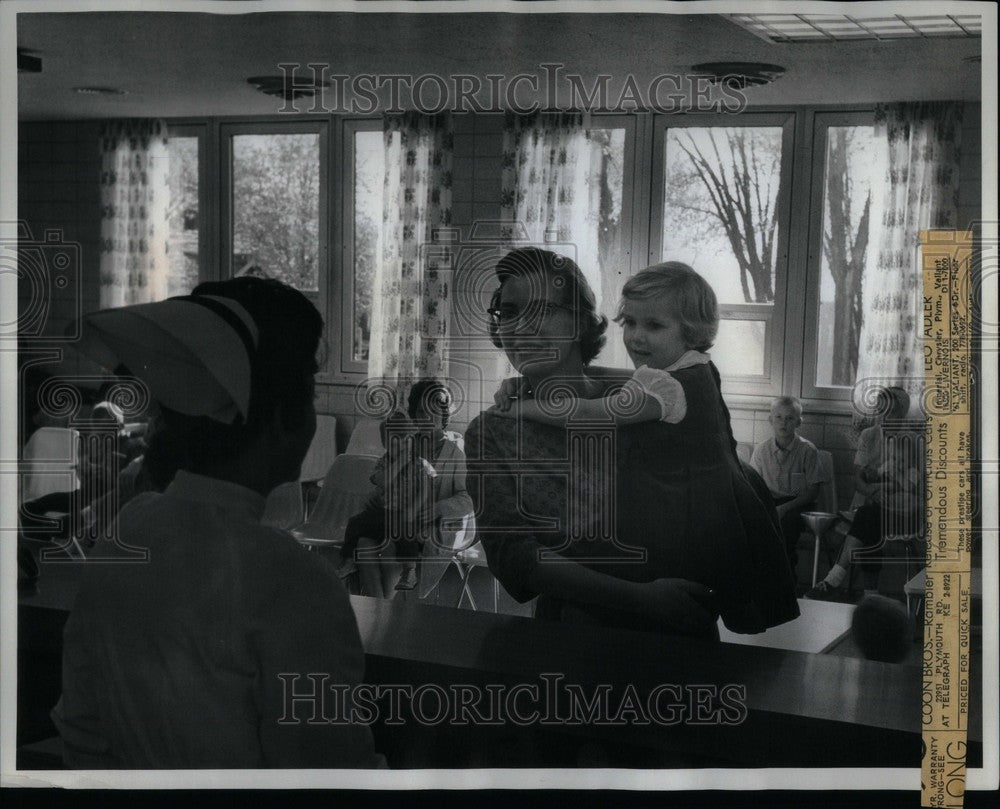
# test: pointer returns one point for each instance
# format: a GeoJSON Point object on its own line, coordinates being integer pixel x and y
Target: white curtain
{"type": "Point", "coordinates": [919, 191]}
{"type": "Point", "coordinates": [135, 196]}
{"type": "Point", "coordinates": [413, 278]}
{"type": "Point", "coordinates": [550, 192]}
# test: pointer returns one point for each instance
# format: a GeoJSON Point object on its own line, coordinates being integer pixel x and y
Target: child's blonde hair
{"type": "Point", "coordinates": [691, 298]}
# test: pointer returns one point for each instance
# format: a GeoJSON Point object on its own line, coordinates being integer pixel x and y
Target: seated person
{"type": "Point", "coordinates": [395, 511]}
{"type": "Point", "coordinates": [889, 476]}
{"type": "Point", "coordinates": [789, 465]}
{"type": "Point", "coordinates": [86, 511]}
{"type": "Point", "coordinates": [186, 660]}
{"type": "Point", "coordinates": [422, 478]}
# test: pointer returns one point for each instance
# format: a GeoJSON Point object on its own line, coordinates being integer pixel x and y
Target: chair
{"type": "Point", "coordinates": [465, 554]}
{"type": "Point", "coordinates": [744, 451]}
{"type": "Point", "coordinates": [366, 439]}
{"type": "Point", "coordinates": [49, 461]}
{"type": "Point", "coordinates": [820, 521]}
{"type": "Point", "coordinates": [322, 450]}
{"type": "Point", "coordinates": [346, 488]}
{"type": "Point", "coordinates": [285, 508]}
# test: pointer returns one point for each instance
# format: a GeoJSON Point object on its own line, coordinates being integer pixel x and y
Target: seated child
{"type": "Point", "coordinates": [684, 455]}
{"type": "Point", "coordinates": [397, 510]}
{"type": "Point", "coordinates": [789, 464]}
{"type": "Point", "coordinates": [895, 507]}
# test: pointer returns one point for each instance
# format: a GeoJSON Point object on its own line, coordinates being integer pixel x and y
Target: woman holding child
{"type": "Point", "coordinates": [690, 537]}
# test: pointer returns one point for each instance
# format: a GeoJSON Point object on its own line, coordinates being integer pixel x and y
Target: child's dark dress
{"type": "Point", "coordinates": [680, 495]}
{"type": "Point", "coordinates": [685, 497]}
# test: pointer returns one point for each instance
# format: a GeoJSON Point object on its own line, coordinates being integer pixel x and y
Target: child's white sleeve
{"type": "Point", "coordinates": [664, 388]}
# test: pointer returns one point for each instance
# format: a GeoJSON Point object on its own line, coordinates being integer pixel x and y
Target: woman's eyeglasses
{"type": "Point", "coordinates": [507, 317]}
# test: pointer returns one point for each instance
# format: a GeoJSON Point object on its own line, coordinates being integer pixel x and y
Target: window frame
{"type": "Point", "coordinates": [793, 354]}
{"type": "Point", "coordinates": [821, 121]}
{"type": "Point", "coordinates": [775, 377]}
{"type": "Point", "coordinates": [349, 370]}
{"type": "Point", "coordinates": [227, 129]}
{"type": "Point", "coordinates": [206, 214]}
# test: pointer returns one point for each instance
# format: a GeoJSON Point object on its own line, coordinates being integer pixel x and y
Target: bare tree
{"type": "Point", "coordinates": [844, 246]}
{"type": "Point", "coordinates": [728, 176]}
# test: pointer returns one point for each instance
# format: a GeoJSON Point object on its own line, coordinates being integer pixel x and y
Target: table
{"type": "Point", "coordinates": [915, 587]}
{"type": "Point", "coordinates": [820, 626]}
{"type": "Point", "coordinates": [802, 708]}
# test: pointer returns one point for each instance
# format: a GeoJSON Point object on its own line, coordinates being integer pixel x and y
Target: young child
{"type": "Point", "coordinates": [718, 532]}
{"type": "Point", "coordinates": [789, 465]}
{"type": "Point", "coordinates": [397, 509]}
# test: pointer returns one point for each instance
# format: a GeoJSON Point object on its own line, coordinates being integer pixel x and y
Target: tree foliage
{"type": "Point", "coordinates": [276, 206]}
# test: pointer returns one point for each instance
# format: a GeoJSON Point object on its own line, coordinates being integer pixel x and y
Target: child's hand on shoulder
{"type": "Point", "coordinates": [512, 409]}
{"type": "Point", "coordinates": [509, 392]}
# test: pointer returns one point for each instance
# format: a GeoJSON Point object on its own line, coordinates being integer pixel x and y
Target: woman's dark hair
{"type": "Point", "coordinates": [282, 368]}
{"type": "Point", "coordinates": [428, 395]}
{"type": "Point", "coordinates": [544, 265]}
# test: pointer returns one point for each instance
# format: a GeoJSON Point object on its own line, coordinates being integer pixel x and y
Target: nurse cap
{"type": "Point", "coordinates": [194, 352]}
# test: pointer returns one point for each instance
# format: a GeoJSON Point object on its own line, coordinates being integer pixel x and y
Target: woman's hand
{"type": "Point", "coordinates": [512, 410]}
{"type": "Point", "coordinates": [677, 604]}
{"type": "Point", "coordinates": [508, 393]}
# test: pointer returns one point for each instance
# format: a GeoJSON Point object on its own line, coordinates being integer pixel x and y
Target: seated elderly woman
{"type": "Point", "coordinates": [182, 661]}
{"type": "Point", "coordinates": [642, 522]}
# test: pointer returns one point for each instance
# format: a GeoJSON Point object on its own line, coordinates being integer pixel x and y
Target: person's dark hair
{"type": "Point", "coordinates": [282, 368]}
{"type": "Point", "coordinates": [429, 395]}
{"type": "Point", "coordinates": [882, 628]}
{"type": "Point", "coordinates": [544, 265]}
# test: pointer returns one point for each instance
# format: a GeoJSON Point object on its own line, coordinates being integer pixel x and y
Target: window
{"type": "Point", "coordinates": [184, 149]}
{"type": "Point", "coordinates": [369, 171]}
{"type": "Point", "coordinates": [274, 204]}
{"type": "Point", "coordinates": [608, 169]}
{"type": "Point", "coordinates": [721, 206]}
{"type": "Point", "coordinates": [769, 206]}
{"type": "Point", "coordinates": [275, 207]}
{"type": "Point", "coordinates": [846, 162]}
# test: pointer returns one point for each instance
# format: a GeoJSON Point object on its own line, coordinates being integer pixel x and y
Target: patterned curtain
{"type": "Point", "coordinates": [918, 192]}
{"type": "Point", "coordinates": [134, 199]}
{"type": "Point", "coordinates": [549, 191]}
{"type": "Point", "coordinates": [412, 300]}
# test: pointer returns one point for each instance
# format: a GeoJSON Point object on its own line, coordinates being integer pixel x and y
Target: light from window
{"type": "Point", "coordinates": [720, 216]}
{"type": "Point", "coordinates": [276, 182]}
{"type": "Point", "coordinates": [182, 215]}
{"type": "Point", "coordinates": [606, 178]}
{"type": "Point", "coordinates": [852, 160]}
{"type": "Point", "coordinates": [369, 172]}
{"type": "Point", "coordinates": [739, 348]}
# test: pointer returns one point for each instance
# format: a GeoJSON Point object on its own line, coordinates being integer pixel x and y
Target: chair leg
{"type": "Point", "coordinates": [466, 571]}
{"type": "Point", "coordinates": [816, 561]}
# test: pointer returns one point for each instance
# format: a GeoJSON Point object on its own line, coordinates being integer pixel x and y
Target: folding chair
{"type": "Point", "coordinates": [346, 489]}
{"type": "Point", "coordinates": [366, 439]}
{"type": "Point", "coordinates": [285, 507]}
{"type": "Point", "coordinates": [821, 521]}
{"type": "Point", "coordinates": [466, 553]}
{"type": "Point", "coordinates": [48, 462]}
{"type": "Point", "coordinates": [322, 450]}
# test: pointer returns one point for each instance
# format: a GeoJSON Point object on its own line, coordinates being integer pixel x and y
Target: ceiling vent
{"type": "Point", "coordinates": [749, 74]}
{"type": "Point", "coordinates": [287, 88]}
{"type": "Point", "coordinates": [27, 62]}
{"type": "Point", "coordinates": [100, 91]}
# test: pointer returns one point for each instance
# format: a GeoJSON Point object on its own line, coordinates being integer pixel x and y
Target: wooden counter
{"type": "Point", "coordinates": [802, 709]}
